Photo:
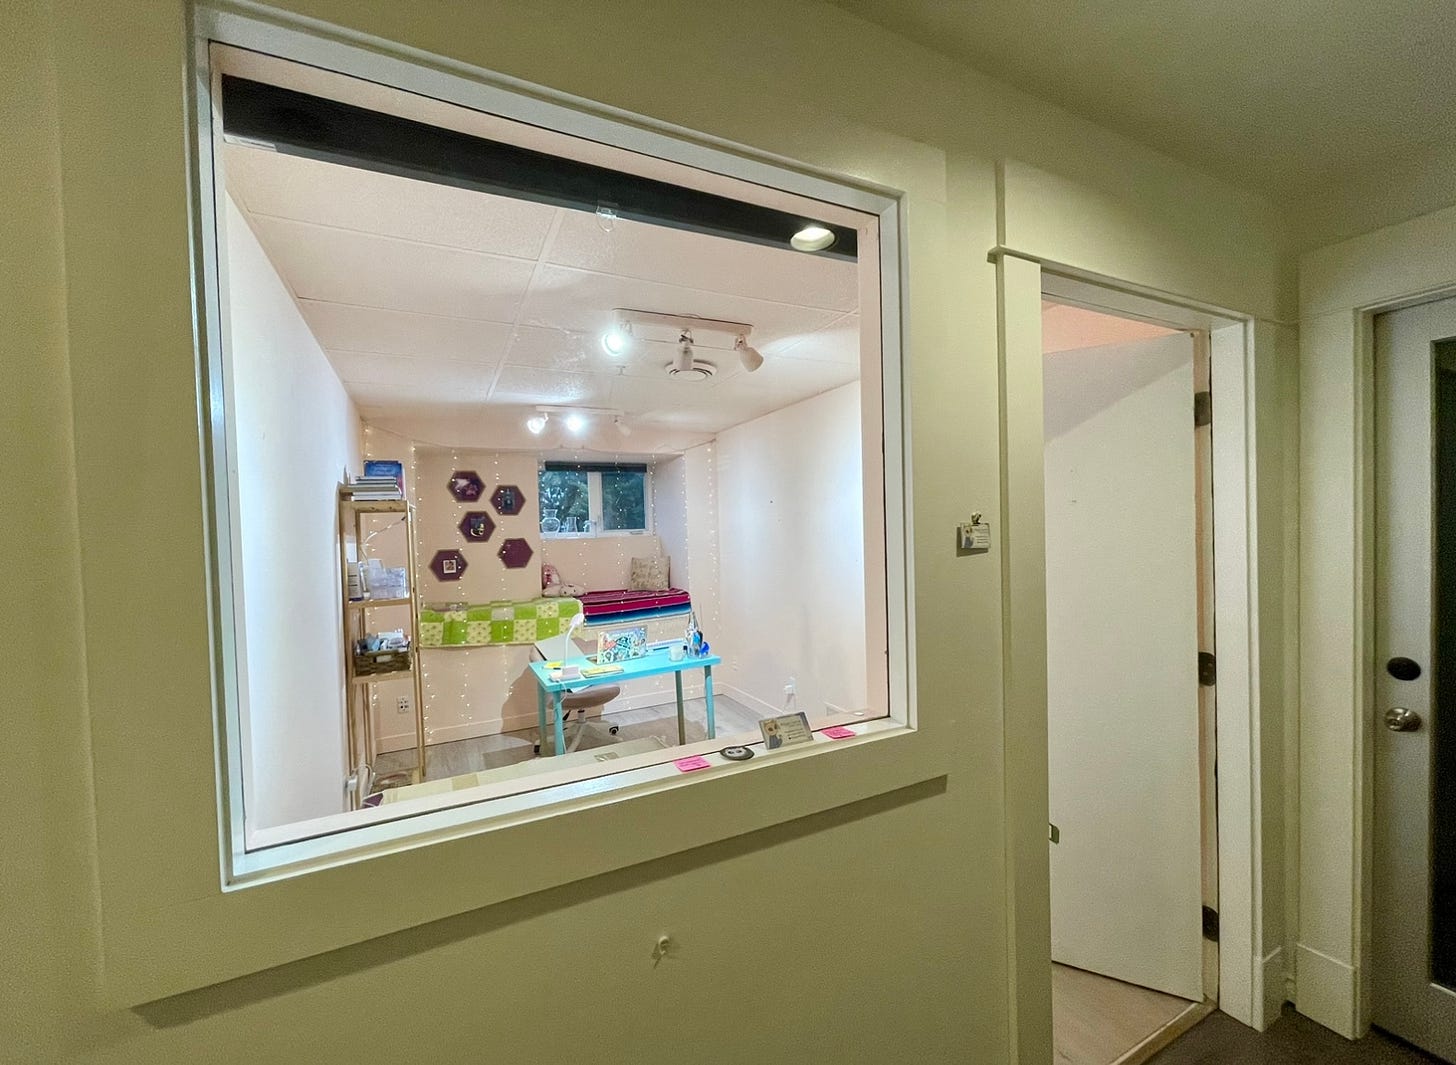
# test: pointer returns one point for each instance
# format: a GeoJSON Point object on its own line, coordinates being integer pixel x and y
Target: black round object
{"type": "Point", "coordinates": [736, 753]}
{"type": "Point", "coordinates": [1403, 668]}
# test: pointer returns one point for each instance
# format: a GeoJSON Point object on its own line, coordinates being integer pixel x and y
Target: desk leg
{"type": "Point", "coordinates": [708, 698]}
{"type": "Point", "coordinates": [541, 718]}
{"type": "Point", "coordinates": [682, 728]}
{"type": "Point", "coordinates": [560, 726]}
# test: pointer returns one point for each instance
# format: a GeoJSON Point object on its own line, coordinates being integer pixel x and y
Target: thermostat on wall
{"type": "Point", "coordinates": [973, 535]}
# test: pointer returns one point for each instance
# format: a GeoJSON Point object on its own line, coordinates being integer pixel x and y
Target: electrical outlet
{"type": "Point", "coordinates": [791, 688]}
{"type": "Point", "coordinates": [403, 704]}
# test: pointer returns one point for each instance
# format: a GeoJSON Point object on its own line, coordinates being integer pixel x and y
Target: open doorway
{"type": "Point", "coordinates": [1130, 711]}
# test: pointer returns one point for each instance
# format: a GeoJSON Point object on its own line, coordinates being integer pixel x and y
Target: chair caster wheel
{"type": "Point", "coordinates": [613, 729]}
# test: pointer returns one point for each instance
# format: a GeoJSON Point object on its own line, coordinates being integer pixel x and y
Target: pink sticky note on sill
{"type": "Point", "coordinates": [687, 765]}
{"type": "Point", "coordinates": [839, 732]}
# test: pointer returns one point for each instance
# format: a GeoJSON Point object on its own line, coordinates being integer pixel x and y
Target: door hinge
{"type": "Point", "coordinates": [1207, 669]}
{"type": "Point", "coordinates": [1210, 924]}
{"type": "Point", "coordinates": [1202, 409]}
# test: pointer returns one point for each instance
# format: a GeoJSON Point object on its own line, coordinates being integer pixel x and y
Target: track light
{"type": "Point", "coordinates": [536, 424]}
{"type": "Point", "coordinates": [750, 357]}
{"type": "Point", "coordinates": [684, 361]}
{"type": "Point", "coordinates": [575, 422]}
{"type": "Point", "coordinates": [616, 340]}
{"type": "Point", "coordinates": [812, 237]}
{"type": "Point", "coordinates": [622, 426]}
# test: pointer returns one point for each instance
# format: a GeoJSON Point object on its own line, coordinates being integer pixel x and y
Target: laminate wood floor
{"type": "Point", "coordinates": [1096, 1020]}
{"type": "Point", "coordinates": [507, 748]}
{"type": "Point", "coordinates": [1291, 1040]}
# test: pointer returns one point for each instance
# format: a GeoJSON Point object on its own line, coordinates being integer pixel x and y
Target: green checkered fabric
{"type": "Point", "coordinates": [496, 623]}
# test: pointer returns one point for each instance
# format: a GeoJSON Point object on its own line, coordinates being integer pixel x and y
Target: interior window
{"type": "Point", "coordinates": [541, 467]}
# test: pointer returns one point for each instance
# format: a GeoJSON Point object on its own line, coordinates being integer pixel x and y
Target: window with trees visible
{"type": "Point", "coordinates": [594, 500]}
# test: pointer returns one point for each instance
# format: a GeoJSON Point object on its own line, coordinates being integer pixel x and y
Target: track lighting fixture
{"type": "Point", "coordinates": [750, 357]}
{"type": "Point", "coordinates": [536, 423]}
{"type": "Point", "coordinates": [622, 426]}
{"type": "Point", "coordinates": [575, 422]}
{"type": "Point", "coordinates": [684, 361]}
{"type": "Point", "coordinates": [616, 340]}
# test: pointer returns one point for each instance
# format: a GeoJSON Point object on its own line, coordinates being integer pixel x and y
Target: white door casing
{"type": "Point", "coordinates": [1122, 645]}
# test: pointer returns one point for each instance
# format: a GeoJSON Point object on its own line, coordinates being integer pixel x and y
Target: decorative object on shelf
{"type": "Point", "coordinates": [508, 499]}
{"type": "Point", "coordinates": [550, 523]}
{"type": "Point", "coordinates": [514, 553]}
{"type": "Point", "coordinates": [393, 468]}
{"type": "Point", "coordinates": [448, 565]}
{"type": "Point", "coordinates": [476, 526]}
{"type": "Point", "coordinates": [466, 485]}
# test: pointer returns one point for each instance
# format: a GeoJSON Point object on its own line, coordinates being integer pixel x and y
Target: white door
{"type": "Point", "coordinates": [1122, 651]}
{"type": "Point", "coordinates": [1413, 726]}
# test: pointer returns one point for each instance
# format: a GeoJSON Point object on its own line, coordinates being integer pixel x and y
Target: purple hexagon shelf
{"type": "Point", "coordinates": [515, 553]}
{"type": "Point", "coordinates": [476, 526]}
{"type": "Point", "coordinates": [466, 485]}
{"type": "Point", "coordinates": [447, 565]}
{"type": "Point", "coordinates": [508, 499]}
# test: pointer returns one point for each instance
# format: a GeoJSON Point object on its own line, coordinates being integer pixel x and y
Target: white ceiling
{"type": "Point", "coordinates": [1068, 328]}
{"type": "Point", "coordinates": [1285, 97]}
{"type": "Point", "coordinates": [434, 302]}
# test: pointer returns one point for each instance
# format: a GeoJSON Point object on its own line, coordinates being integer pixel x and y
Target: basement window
{"type": "Point", "coordinates": [607, 499]}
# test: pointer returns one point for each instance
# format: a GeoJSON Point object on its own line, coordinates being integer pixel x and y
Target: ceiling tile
{"type": "Point", "coordinates": [342, 326]}
{"type": "Point", "coordinates": [342, 266]}
{"type": "Point", "coordinates": [565, 298]}
{"type": "Point", "coordinates": [288, 186]}
{"type": "Point", "coordinates": [835, 343]}
{"type": "Point", "coordinates": [713, 264]}
{"type": "Point", "coordinates": [442, 377]}
{"type": "Point", "coordinates": [531, 384]}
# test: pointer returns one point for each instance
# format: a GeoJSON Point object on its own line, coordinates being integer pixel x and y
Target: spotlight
{"type": "Point", "coordinates": [812, 237]}
{"type": "Point", "coordinates": [575, 422]}
{"type": "Point", "coordinates": [622, 426]}
{"type": "Point", "coordinates": [616, 340]}
{"type": "Point", "coordinates": [536, 423]}
{"type": "Point", "coordinates": [750, 357]}
{"type": "Point", "coordinates": [684, 361]}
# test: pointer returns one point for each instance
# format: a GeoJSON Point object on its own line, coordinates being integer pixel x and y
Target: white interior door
{"type": "Point", "coordinates": [1122, 649]}
{"type": "Point", "coordinates": [1414, 941]}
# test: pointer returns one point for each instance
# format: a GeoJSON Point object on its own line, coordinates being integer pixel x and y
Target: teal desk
{"type": "Point", "coordinates": [653, 664]}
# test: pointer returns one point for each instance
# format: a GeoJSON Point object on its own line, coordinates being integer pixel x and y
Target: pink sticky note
{"type": "Point", "coordinates": [839, 732]}
{"type": "Point", "coordinates": [687, 765]}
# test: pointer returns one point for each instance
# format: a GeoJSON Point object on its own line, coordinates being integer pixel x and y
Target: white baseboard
{"type": "Point", "coordinates": [1275, 986]}
{"type": "Point", "coordinates": [1326, 990]}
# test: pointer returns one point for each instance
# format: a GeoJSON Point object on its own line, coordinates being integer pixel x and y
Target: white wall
{"type": "Point", "coordinates": [791, 554]}
{"type": "Point", "coordinates": [670, 519]}
{"type": "Point", "coordinates": [297, 432]}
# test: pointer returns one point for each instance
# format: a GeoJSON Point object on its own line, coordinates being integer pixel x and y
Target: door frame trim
{"type": "Point", "coordinates": [1249, 980]}
{"type": "Point", "coordinates": [1342, 288]}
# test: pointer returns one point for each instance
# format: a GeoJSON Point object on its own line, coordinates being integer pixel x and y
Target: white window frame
{"type": "Point", "coordinates": [595, 509]}
{"type": "Point", "coordinates": [190, 906]}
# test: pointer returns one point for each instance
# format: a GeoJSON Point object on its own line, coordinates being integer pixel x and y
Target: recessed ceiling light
{"type": "Point", "coordinates": [615, 341]}
{"type": "Point", "coordinates": [575, 422]}
{"type": "Point", "coordinates": [536, 423]}
{"type": "Point", "coordinates": [812, 237]}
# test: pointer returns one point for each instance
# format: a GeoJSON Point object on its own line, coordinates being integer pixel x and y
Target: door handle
{"type": "Point", "coordinates": [1399, 719]}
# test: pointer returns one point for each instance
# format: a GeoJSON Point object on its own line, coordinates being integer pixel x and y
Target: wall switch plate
{"type": "Point", "coordinates": [403, 704]}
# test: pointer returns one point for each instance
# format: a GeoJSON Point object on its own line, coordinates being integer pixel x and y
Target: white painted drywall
{"type": "Point", "coordinates": [297, 432]}
{"type": "Point", "coordinates": [1122, 644]}
{"type": "Point", "coordinates": [791, 554]}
